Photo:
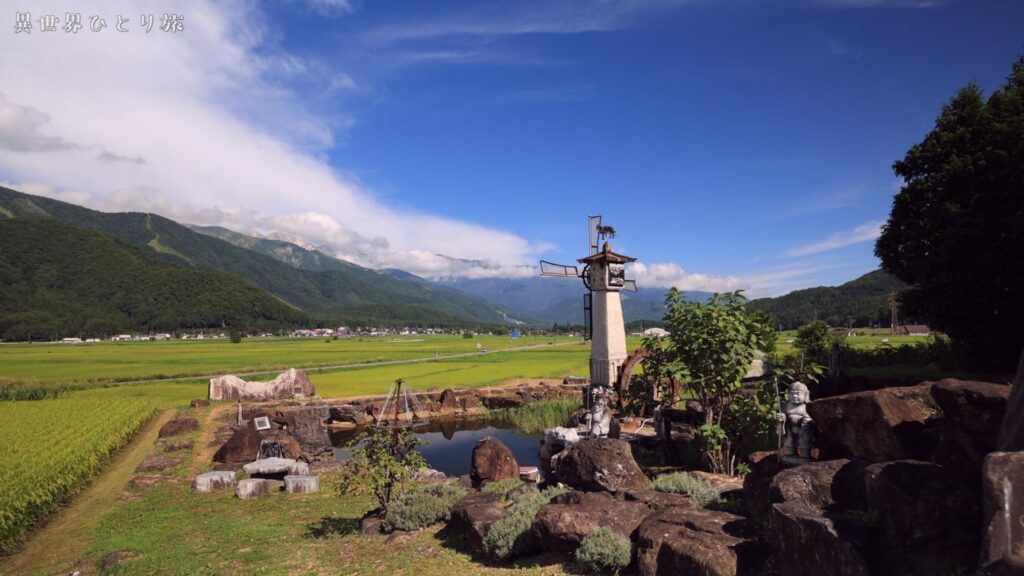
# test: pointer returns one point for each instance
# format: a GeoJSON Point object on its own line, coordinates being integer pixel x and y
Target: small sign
{"type": "Point", "coordinates": [261, 423]}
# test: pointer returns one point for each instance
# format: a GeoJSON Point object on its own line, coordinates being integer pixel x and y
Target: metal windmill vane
{"type": "Point", "coordinates": [604, 275]}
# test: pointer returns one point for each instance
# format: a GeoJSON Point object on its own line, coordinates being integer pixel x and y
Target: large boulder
{"type": "Point", "coordinates": [684, 540]}
{"type": "Point", "coordinates": [879, 425]}
{"type": "Point", "coordinates": [243, 446]}
{"type": "Point", "coordinates": [449, 404]}
{"type": "Point", "coordinates": [808, 541]}
{"type": "Point", "coordinates": [178, 425]}
{"type": "Point", "coordinates": [473, 516]}
{"type": "Point", "coordinates": [929, 518]}
{"type": "Point", "coordinates": [1002, 494]}
{"type": "Point", "coordinates": [599, 464]}
{"type": "Point", "coordinates": [561, 525]}
{"type": "Point", "coordinates": [307, 426]}
{"type": "Point", "coordinates": [1011, 434]}
{"type": "Point", "coordinates": [835, 484]}
{"type": "Point", "coordinates": [757, 484]}
{"type": "Point", "coordinates": [492, 461]}
{"type": "Point", "coordinates": [554, 441]}
{"type": "Point", "coordinates": [973, 413]}
{"type": "Point", "coordinates": [352, 413]}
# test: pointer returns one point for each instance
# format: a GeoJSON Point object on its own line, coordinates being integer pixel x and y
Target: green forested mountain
{"type": "Point", "coordinates": [348, 293]}
{"type": "Point", "coordinates": [860, 302]}
{"type": "Point", "coordinates": [58, 280]}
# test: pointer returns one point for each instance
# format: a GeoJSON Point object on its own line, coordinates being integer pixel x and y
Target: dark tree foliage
{"type": "Point", "coordinates": [858, 303]}
{"type": "Point", "coordinates": [58, 281]}
{"type": "Point", "coordinates": [956, 230]}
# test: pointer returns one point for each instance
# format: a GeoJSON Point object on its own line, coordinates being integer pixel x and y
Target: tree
{"type": "Point", "coordinates": [383, 460]}
{"type": "Point", "coordinates": [956, 230]}
{"type": "Point", "coordinates": [812, 340]}
{"type": "Point", "coordinates": [709, 349]}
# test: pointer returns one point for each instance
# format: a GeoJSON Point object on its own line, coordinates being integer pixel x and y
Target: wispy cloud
{"type": "Point", "coordinates": [838, 199]}
{"type": "Point", "coordinates": [667, 274]}
{"type": "Point", "coordinates": [863, 233]}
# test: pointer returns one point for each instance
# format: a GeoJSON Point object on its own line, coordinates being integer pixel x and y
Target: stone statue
{"type": "Point", "coordinates": [794, 423]}
{"type": "Point", "coordinates": [600, 417]}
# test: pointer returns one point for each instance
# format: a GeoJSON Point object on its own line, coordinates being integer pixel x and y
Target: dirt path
{"type": "Point", "coordinates": [65, 538]}
{"type": "Point", "coordinates": [203, 453]}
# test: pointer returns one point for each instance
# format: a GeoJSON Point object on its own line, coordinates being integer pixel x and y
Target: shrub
{"type": "Point", "coordinates": [510, 536]}
{"type": "Point", "coordinates": [423, 507]}
{"type": "Point", "coordinates": [604, 551]}
{"type": "Point", "coordinates": [382, 461]}
{"type": "Point", "coordinates": [502, 487]}
{"type": "Point", "coordinates": [700, 491]}
{"type": "Point", "coordinates": [536, 417]}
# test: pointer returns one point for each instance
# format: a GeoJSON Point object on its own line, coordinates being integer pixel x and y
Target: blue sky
{"type": "Point", "coordinates": [733, 144]}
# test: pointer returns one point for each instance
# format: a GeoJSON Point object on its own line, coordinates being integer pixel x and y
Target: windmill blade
{"type": "Point", "coordinates": [559, 270]}
{"type": "Point", "coordinates": [593, 223]}
{"type": "Point", "coordinates": [630, 285]}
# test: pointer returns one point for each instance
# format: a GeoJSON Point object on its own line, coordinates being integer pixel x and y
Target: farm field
{"type": "Point", "coordinates": [52, 448]}
{"type": "Point", "coordinates": [784, 344]}
{"type": "Point", "coordinates": [109, 362]}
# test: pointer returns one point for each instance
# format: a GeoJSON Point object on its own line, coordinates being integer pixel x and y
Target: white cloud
{"type": "Point", "coordinates": [203, 127]}
{"type": "Point", "coordinates": [863, 233]}
{"type": "Point", "coordinates": [665, 275]}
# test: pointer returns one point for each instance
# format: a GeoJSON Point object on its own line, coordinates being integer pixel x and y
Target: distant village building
{"type": "Point", "coordinates": [122, 338]}
{"type": "Point", "coordinates": [659, 332]}
{"type": "Point", "coordinates": [72, 340]}
{"type": "Point", "coordinates": [913, 330]}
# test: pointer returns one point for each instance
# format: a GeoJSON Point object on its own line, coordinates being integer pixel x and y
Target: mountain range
{"type": "Point", "coordinates": [290, 282]}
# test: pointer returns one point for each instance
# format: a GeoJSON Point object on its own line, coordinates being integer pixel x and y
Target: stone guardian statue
{"type": "Point", "coordinates": [794, 423]}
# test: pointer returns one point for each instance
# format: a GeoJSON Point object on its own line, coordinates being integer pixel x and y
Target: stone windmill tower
{"type": "Point", "coordinates": [604, 275]}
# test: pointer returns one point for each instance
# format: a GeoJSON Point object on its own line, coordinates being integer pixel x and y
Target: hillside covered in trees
{"type": "Point", "coordinates": [859, 303]}
{"type": "Point", "coordinates": [58, 280]}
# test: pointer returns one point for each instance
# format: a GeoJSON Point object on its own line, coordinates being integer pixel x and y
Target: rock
{"type": "Point", "coordinates": [757, 499]}
{"type": "Point", "coordinates": [115, 559]}
{"type": "Point", "coordinates": [1011, 434]}
{"type": "Point", "coordinates": [353, 414]}
{"type": "Point", "coordinates": [291, 382]}
{"type": "Point", "coordinates": [243, 446]}
{"type": "Point", "coordinates": [1012, 565]}
{"type": "Point", "coordinates": [296, 484]}
{"type": "Point", "coordinates": [809, 542]}
{"type": "Point", "coordinates": [371, 523]}
{"type": "Point", "coordinates": [721, 482]}
{"type": "Point", "coordinates": [684, 540]}
{"type": "Point", "coordinates": [449, 404]}
{"type": "Point", "coordinates": [185, 444]}
{"type": "Point", "coordinates": [199, 403]}
{"type": "Point", "coordinates": [562, 525]}
{"type": "Point", "coordinates": [973, 413]}
{"type": "Point", "coordinates": [253, 488]}
{"type": "Point", "coordinates": [429, 475]}
{"type": "Point", "coordinates": [656, 500]}
{"type": "Point", "coordinates": [599, 464]}
{"type": "Point", "coordinates": [929, 518]}
{"type": "Point", "coordinates": [307, 426]}
{"type": "Point", "coordinates": [277, 467]}
{"type": "Point", "coordinates": [471, 405]}
{"type": "Point", "coordinates": [492, 461]}
{"type": "Point", "coordinates": [177, 426]}
{"type": "Point", "coordinates": [830, 484]}
{"type": "Point", "coordinates": [877, 426]}
{"type": "Point", "coordinates": [473, 516]}
{"type": "Point", "coordinates": [158, 463]}
{"type": "Point", "coordinates": [529, 474]}
{"type": "Point", "coordinates": [210, 481]}
{"type": "Point", "coordinates": [505, 400]}
{"type": "Point", "coordinates": [1002, 496]}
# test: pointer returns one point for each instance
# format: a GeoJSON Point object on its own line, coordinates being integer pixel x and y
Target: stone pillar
{"type": "Point", "coordinates": [608, 347]}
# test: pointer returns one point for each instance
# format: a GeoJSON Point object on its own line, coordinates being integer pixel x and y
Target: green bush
{"type": "Point", "coordinates": [423, 507]}
{"type": "Point", "coordinates": [604, 551]}
{"type": "Point", "coordinates": [701, 492]}
{"type": "Point", "coordinates": [502, 487]}
{"type": "Point", "coordinates": [510, 536]}
{"type": "Point", "coordinates": [536, 417]}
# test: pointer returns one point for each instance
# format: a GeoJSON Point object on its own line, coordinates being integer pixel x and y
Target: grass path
{"type": "Point", "coordinates": [65, 538]}
{"type": "Point", "coordinates": [203, 453]}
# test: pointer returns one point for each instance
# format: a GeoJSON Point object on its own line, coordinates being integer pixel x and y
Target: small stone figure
{"type": "Point", "coordinates": [794, 423]}
{"type": "Point", "coordinates": [600, 417]}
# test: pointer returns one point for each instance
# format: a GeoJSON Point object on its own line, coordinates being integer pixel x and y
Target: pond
{"type": "Point", "coordinates": [447, 444]}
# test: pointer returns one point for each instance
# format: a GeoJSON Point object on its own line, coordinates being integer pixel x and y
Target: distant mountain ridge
{"type": "Point", "coordinates": [331, 289]}
{"type": "Point", "coordinates": [861, 302]}
{"type": "Point", "coordinates": [59, 280]}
